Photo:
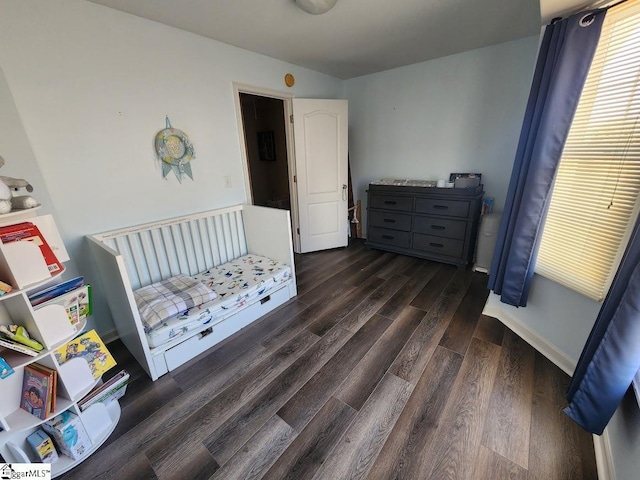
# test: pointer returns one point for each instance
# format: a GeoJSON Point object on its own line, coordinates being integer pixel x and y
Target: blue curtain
{"type": "Point", "coordinates": [611, 356]}
{"type": "Point", "coordinates": [564, 59]}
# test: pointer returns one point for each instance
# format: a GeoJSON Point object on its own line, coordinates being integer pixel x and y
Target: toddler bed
{"type": "Point", "coordinates": [177, 287]}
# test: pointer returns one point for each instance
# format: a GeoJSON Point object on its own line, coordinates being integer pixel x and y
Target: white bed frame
{"type": "Point", "coordinates": [133, 257]}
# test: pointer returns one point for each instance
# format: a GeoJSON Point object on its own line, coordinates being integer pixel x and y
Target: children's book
{"type": "Point", "coordinates": [35, 392]}
{"type": "Point", "coordinates": [41, 296]}
{"type": "Point", "coordinates": [90, 347]}
{"type": "Point", "coordinates": [5, 370]}
{"type": "Point", "coordinates": [18, 347]}
{"type": "Point", "coordinates": [27, 231]}
{"type": "Point", "coordinates": [53, 380]}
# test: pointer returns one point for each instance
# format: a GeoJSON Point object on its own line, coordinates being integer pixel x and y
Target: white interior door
{"type": "Point", "coordinates": [321, 146]}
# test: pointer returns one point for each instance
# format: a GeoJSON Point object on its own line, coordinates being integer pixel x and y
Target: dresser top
{"type": "Point", "coordinates": [410, 188]}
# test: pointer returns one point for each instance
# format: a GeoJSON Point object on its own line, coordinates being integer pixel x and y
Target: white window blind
{"type": "Point", "coordinates": [595, 197]}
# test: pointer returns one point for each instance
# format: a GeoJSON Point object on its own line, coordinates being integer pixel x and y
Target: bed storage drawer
{"type": "Point", "coordinates": [449, 208]}
{"type": "Point", "coordinates": [189, 348]}
{"type": "Point", "coordinates": [440, 227]}
{"type": "Point", "coordinates": [391, 202]}
{"type": "Point", "coordinates": [395, 221]}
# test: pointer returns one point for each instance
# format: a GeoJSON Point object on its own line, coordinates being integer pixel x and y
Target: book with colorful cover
{"type": "Point", "coordinates": [90, 347]}
{"type": "Point", "coordinates": [27, 231]}
{"type": "Point", "coordinates": [49, 293]}
{"type": "Point", "coordinates": [36, 388]}
{"type": "Point", "coordinates": [53, 377]}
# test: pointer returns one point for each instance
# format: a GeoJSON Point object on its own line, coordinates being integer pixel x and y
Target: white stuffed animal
{"type": "Point", "coordinates": [8, 200]}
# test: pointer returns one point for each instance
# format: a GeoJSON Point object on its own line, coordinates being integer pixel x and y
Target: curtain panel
{"type": "Point", "coordinates": [564, 59]}
{"type": "Point", "coordinates": [611, 356]}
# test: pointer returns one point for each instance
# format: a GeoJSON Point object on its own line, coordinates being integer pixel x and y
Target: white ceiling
{"type": "Point", "coordinates": [356, 37]}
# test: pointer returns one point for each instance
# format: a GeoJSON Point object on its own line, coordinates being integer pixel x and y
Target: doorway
{"type": "Point", "coordinates": [265, 139]}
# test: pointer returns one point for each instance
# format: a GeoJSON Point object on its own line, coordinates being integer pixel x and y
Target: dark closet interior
{"type": "Point", "coordinates": [265, 139]}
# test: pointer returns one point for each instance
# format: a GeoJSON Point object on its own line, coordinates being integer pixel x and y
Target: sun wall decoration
{"type": "Point", "coordinates": [175, 150]}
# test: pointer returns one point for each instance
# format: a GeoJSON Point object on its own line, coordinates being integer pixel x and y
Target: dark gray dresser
{"type": "Point", "coordinates": [439, 224]}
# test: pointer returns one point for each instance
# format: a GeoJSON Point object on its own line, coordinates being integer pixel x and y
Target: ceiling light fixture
{"type": "Point", "coordinates": [316, 7]}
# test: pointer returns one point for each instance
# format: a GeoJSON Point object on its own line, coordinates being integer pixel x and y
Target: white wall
{"type": "Point", "coordinates": [460, 113]}
{"type": "Point", "coordinates": [92, 86]}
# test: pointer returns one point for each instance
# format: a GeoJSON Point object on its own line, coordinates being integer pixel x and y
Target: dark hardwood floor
{"type": "Point", "coordinates": [383, 367]}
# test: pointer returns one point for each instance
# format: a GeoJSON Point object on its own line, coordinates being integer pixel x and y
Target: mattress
{"type": "Point", "coordinates": [236, 283]}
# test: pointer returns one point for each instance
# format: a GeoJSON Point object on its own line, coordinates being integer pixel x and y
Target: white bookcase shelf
{"type": "Point", "coordinates": [24, 268]}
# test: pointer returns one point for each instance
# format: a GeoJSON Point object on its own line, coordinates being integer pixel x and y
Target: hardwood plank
{"type": "Point", "coordinates": [492, 465]}
{"type": "Point", "coordinates": [317, 292]}
{"type": "Point", "coordinates": [371, 269]}
{"type": "Point", "coordinates": [137, 467]}
{"type": "Point", "coordinates": [283, 333]}
{"type": "Point", "coordinates": [432, 290]}
{"type": "Point", "coordinates": [508, 425]}
{"type": "Point", "coordinates": [205, 416]}
{"type": "Point", "coordinates": [311, 447]}
{"type": "Point", "coordinates": [342, 307]}
{"type": "Point", "coordinates": [419, 265]}
{"type": "Point", "coordinates": [405, 296]}
{"type": "Point", "coordinates": [367, 308]}
{"type": "Point", "coordinates": [490, 330]}
{"type": "Point", "coordinates": [229, 437]}
{"type": "Point", "coordinates": [363, 379]}
{"type": "Point", "coordinates": [411, 438]}
{"type": "Point", "coordinates": [459, 283]}
{"type": "Point", "coordinates": [363, 440]}
{"type": "Point", "coordinates": [456, 444]}
{"type": "Point", "coordinates": [259, 453]}
{"type": "Point", "coordinates": [246, 340]}
{"type": "Point", "coordinates": [402, 263]}
{"type": "Point", "coordinates": [195, 463]}
{"type": "Point", "coordinates": [550, 382]}
{"type": "Point", "coordinates": [417, 352]}
{"type": "Point", "coordinates": [140, 406]}
{"type": "Point", "coordinates": [460, 330]}
{"type": "Point", "coordinates": [302, 406]}
{"type": "Point", "coordinates": [554, 446]}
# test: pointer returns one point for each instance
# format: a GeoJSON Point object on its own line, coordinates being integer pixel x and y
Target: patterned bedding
{"type": "Point", "coordinates": [236, 284]}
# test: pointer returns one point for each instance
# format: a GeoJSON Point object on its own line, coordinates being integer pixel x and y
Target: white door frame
{"type": "Point", "coordinates": [239, 88]}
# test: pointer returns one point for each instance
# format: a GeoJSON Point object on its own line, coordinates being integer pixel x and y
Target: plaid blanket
{"type": "Point", "coordinates": [162, 300]}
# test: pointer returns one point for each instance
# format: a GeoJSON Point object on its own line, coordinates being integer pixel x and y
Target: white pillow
{"type": "Point", "coordinates": [162, 300]}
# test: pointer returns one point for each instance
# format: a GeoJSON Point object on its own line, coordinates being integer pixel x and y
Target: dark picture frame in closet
{"type": "Point", "coordinates": [267, 146]}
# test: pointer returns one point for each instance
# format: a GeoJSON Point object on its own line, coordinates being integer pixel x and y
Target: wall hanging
{"type": "Point", "coordinates": [175, 150]}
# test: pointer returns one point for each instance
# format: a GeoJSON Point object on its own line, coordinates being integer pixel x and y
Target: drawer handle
{"type": "Point", "coordinates": [387, 237]}
{"type": "Point", "coordinates": [438, 227]}
{"type": "Point", "coordinates": [389, 220]}
{"type": "Point", "coordinates": [439, 245]}
{"type": "Point", "coordinates": [389, 202]}
{"type": "Point", "coordinates": [265, 299]}
{"type": "Point", "coordinates": [206, 332]}
{"type": "Point", "coordinates": [440, 207]}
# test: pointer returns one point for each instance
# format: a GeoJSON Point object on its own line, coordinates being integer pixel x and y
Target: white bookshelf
{"type": "Point", "coordinates": [23, 267]}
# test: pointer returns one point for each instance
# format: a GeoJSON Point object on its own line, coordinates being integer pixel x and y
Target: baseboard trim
{"type": "Point", "coordinates": [109, 336]}
{"type": "Point", "coordinates": [604, 457]}
{"type": "Point", "coordinates": [565, 363]}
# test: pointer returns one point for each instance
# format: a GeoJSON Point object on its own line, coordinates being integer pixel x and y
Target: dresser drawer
{"type": "Point", "coordinates": [450, 208]}
{"type": "Point", "coordinates": [389, 237]}
{"type": "Point", "coordinates": [443, 246]}
{"type": "Point", "coordinates": [391, 202]}
{"type": "Point", "coordinates": [440, 227]}
{"type": "Point", "coordinates": [396, 221]}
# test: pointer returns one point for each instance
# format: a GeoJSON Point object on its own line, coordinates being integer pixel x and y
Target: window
{"type": "Point", "coordinates": [595, 196]}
